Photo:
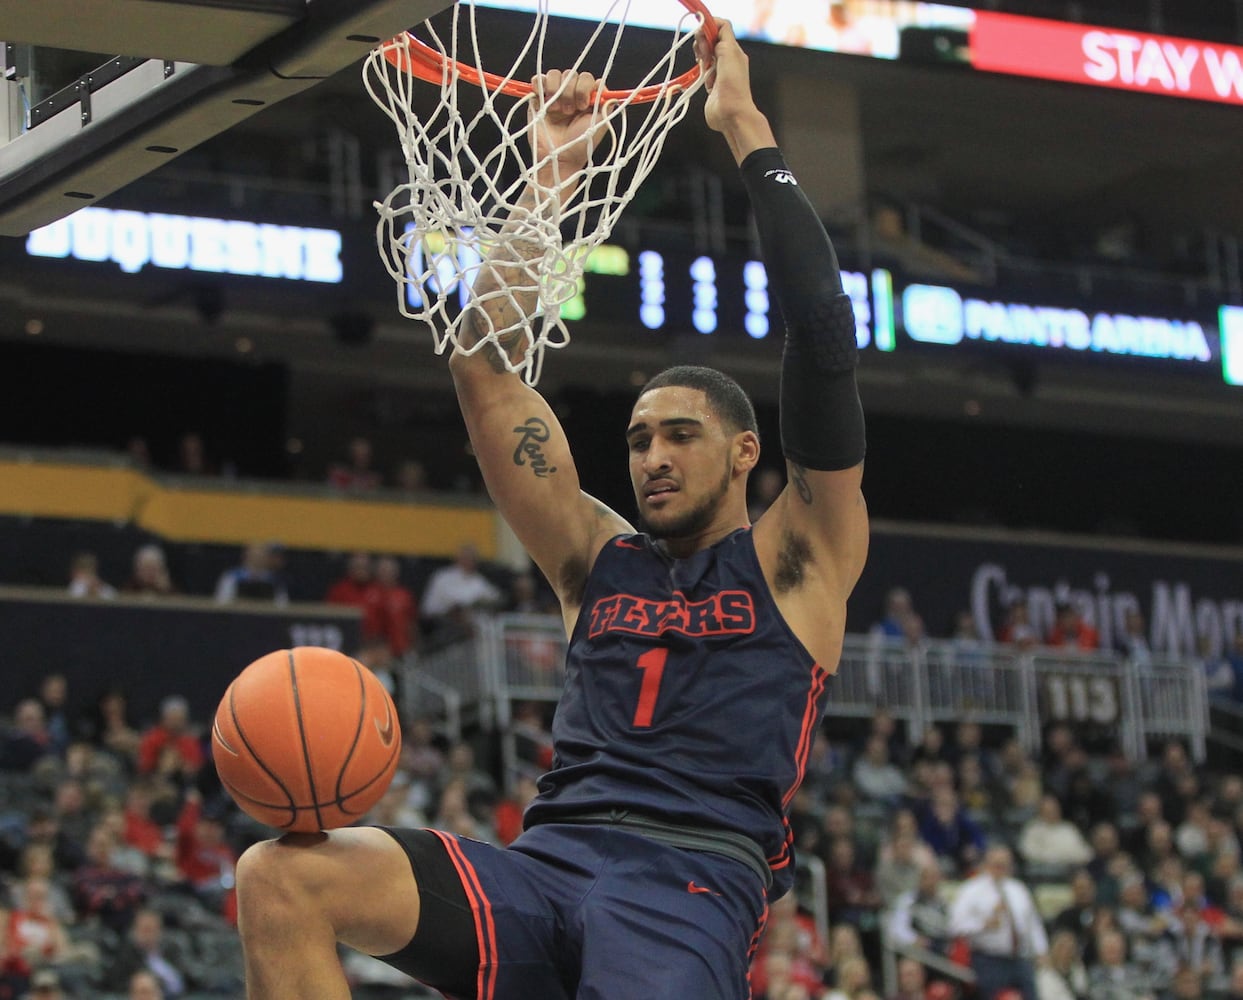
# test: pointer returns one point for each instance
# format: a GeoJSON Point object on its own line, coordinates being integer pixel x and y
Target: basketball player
{"type": "Point", "coordinates": [699, 654]}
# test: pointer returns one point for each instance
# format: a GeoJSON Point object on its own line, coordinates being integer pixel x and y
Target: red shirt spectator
{"type": "Point", "coordinates": [141, 831]}
{"type": "Point", "coordinates": [396, 608]}
{"type": "Point", "coordinates": [1070, 630]}
{"type": "Point", "coordinates": [168, 747]}
{"type": "Point", "coordinates": [204, 858]}
{"type": "Point", "coordinates": [358, 590]}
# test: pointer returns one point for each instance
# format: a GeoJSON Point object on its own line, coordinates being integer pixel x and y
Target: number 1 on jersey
{"type": "Point", "coordinates": [652, 663]}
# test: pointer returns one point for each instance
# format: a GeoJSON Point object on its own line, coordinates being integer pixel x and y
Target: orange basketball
{"type": "Point", "coordinates": [306, 739]}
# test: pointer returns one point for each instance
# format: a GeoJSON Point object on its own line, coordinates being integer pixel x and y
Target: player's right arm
{"type": "Point", "coordinates": [520, 445]}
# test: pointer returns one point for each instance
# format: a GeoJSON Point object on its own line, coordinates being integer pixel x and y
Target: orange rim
{"type": "Point", "coordinates": [411, 56]}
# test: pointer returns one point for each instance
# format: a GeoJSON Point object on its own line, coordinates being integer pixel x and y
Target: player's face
{"type": "Point", "coordinates": [681, 464]}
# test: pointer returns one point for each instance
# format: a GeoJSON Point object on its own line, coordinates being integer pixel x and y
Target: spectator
{"type": "Point", "coordinates": [396, 606]}
{"type": "Point", "coordinates": [355, 474]}
{"type": "Point", "coordinates": [794, 934]}
{"type": "Point", "coordinates": [969, 743]}
{"type": "Point", "coordinates": [43, 827]}
{"type": "Point", "coordinates": [138, 451]}
{"type": "Point", "coordinates": [36, 937]}
{"type": "Point", "coordinates": [1017, 629]}
{"type": "Point", "coordinates": [168, 748]}
{"type": "Point", "coordinates": [54, 697]}
{"type": "Point", "coordinates": [901, 620]}
{"type": "Point", "coordinates": [1071, 631]}
{"type": "Point", "coordinates": [456, 591]}
{"type": "Point", "coordinates": [29, 739]}
{"type": "Point", "coordinates": [975, 790]}
{"type": "Point", "coordinates": [411, 478]}
{"type": "Point", "coordinates": [84, 579]}
{"type": "Point", "coordinates": [145, 950]}
{"type": "Point", "coordinates": [953, 835]}
{"type": "Point", "coordinates": [1085, 801]}
{"type": "Point", "coordinates": [38, 862]}
{"type": "Point", "coordinates": [102, 890]}
{"type": "Point", "coordinates": [45, 985]}
{"type": "Point", "coordinates": [912, 980]}
{"type": "Point", "coordinates": [1105, 860]}
{"type": "Point", "coordinates": [899, 864]}
{"type": "Point", "coordinates": [422, 761]}
{"type": "Point", "coordinates": [1234, 991]}
{"type": "Point", "coordinates": [144, 986]}
{"type": "Point", "coordinates": [1112, 976]}
{"type": "Point", "coordinates": [850, 887]}
{"type": "Point", "coordinates": [1189, 942]}
{"type": "Point", "coordinates": [995, 912]}
{"type": "Point", "coordinates": [853, 978]}
{"type": "Point", "coordinates": [205, 860]}
{"type": "Point", "coordinates": [460, 767]}
{"type": "Point", "coordinates": [75, 814]}
{"type": "Point", "coordinates": [109, 729]}
{"type": "Point", "coordinates": [150, 576]}
{"type": "Point", "coordinates": [1216, 667]}
{"type": "Point", "coordinates": [1063, 976]}
{"type": "Point", "coordinates": [1171, 782]}
{"type": "Point", "coordinates": [1148, 811]}
{"type": "Point", "coordinates": [876, 777]}
{"type": "Point", "coordinates": [1235, 659]}
{"type": "Point", "coordinates": [356, 589]}
{"type": "Point", "coordinates": [1079, 915]}
{"type": "Point", "coordinates": [1133, 642]}
{"type": "Point", "coordinates": [257, 577]}
{"type": "Point", "coordinates": [1048, 839]}
{"type": "Point", "coordinates": [768, 484]}
{"type": "Point", "coordinates": [1140, 921]}
{"type": "Point", "coordinates": [192, 456]}
{"type": "Point", "coordinates": [1123, 782]}
{"type": "Point", "coordinates": [921, 917]}
{"type": "Point", "coordinates": [1191, 838]}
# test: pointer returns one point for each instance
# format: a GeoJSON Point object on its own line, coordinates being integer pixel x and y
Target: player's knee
{"type": "Point", "coordinates": [276, 876]}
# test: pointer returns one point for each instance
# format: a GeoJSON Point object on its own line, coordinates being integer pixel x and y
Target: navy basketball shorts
{"type": "Point", "coordinates": [571, 912]}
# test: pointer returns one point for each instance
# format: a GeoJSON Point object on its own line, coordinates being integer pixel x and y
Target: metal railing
{"type": "Point", "coordinates": [513, 658]}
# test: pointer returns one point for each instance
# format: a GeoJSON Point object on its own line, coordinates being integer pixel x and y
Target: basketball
{"type": "Point", "coordinates": [306, 739]}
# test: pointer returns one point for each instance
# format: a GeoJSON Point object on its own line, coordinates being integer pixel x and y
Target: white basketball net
{"type": "Point", "coordinates": [462, 201]}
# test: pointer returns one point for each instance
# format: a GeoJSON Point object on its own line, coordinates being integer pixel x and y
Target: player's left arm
{"type": "Point", "coordinates": [822, 428]}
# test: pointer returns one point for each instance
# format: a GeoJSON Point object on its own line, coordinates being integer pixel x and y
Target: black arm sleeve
{"type": "Point", "coordinates": [821, 416]}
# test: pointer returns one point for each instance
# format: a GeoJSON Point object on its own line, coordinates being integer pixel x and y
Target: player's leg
{"type": "Point", "coordinates": [668, 923]}
{"type": "Point", "coordinates": [300, 895]}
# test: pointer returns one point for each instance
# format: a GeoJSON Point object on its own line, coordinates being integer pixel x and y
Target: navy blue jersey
{"type": "Point", "coordinates": [687, 697]}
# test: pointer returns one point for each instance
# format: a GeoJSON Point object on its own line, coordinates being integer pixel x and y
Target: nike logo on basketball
{"type": "Point", "coordinates": [699, 889]}
{"type": "Point", "coordinates": [385, 731]}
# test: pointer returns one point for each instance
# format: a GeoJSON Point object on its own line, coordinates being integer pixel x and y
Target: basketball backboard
{"type": "Point", "coordinates": [97, 95]}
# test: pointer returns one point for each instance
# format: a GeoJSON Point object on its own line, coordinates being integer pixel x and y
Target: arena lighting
{"type": "Point", "coordinates": [1232, 344]}
{"type": "Point", "coordinates": [134, 240]}
{"type": "Point", "coordinates": [936, 314]}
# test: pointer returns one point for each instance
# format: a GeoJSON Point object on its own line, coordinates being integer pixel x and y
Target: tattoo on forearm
{"type": "Point", "coordinates": [798, 476]}
{"type": "Point", "coordinates": [531, 435]}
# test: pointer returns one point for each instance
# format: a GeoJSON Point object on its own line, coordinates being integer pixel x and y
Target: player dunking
{"type": "Point", "coordinates": [698, 659]}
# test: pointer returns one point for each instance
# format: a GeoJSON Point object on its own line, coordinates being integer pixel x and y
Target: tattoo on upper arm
{"type": "Point", "coordinates": [531, 436]}
{"type": "Point", "coordinates": [798, 476]}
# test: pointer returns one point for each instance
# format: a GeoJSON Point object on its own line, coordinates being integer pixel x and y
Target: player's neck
{"type": "Point", "coordinates": [686, 546]}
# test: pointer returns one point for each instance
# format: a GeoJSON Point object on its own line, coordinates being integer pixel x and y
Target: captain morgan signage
{"type": "Point", "coordinates": [1186, 597]}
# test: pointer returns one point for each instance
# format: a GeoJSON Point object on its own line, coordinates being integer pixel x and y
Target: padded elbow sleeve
{"type": "Point", "coordinates": [821, 416]}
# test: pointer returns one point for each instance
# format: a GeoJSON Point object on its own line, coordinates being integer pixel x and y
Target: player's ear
{"type": "Point", "coordinates": [746, 451]}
